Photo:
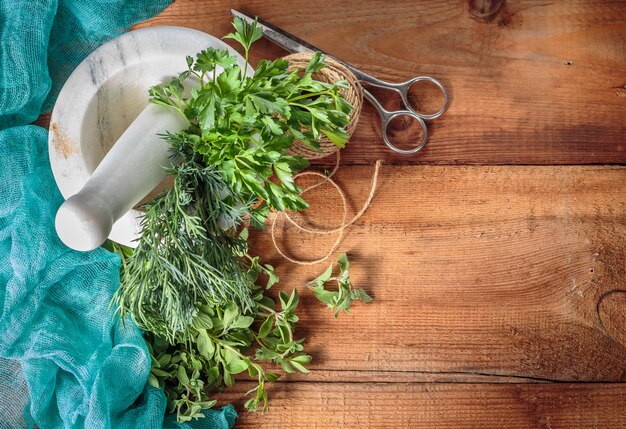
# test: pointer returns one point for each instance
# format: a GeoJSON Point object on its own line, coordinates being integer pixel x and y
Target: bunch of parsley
{"type": "Point", "coordinates": [243, 126]}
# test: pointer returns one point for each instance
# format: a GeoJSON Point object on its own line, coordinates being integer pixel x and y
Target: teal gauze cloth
{"type": "Point", "coordinates": [64, 362]}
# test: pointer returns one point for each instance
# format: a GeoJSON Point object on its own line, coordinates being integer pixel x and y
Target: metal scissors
{"type": "Point", "coordinates": [294, 44]}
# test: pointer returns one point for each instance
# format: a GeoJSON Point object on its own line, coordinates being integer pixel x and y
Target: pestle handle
{"type": "Point", "coordinates": [130, 170]}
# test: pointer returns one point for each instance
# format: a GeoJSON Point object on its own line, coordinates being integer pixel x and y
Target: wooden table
{"type": "Point", "coordinates": [497, 255]}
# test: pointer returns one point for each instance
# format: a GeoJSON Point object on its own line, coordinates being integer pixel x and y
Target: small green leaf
{"type": "Point", "coordinates": [299, 366]}
{"type": "Point", "coordinates": [154, 382]}
{"type": "Point", "coordinates": [252, 405]}
{"type": "Point", "coordinates": [230, 313]}
{"type": "Point", "coordinates": [252, 370]}
{"type": "Point", "coordinates": [206, 348]}
{"type": "Point", "coordinates": [284, 299]}
{"type": "Point", "coordinates": [284, 332]}
{"type": "Point", "coordinates": [207, 404]}
{"type": "Point", "coordinates": [160, 373]}
{"type": "Point", "coordinates": [246, 34]}
{"type": "Point", "coordinates": [202, 321]}
{"type": "Point", "coordinates": [182, 375]}
{"type": "Point", "coordinates": [196, 363]}
{"type": "Point", "coordinates": [324, 295]}
{"type": "Point", "coordinates": [236, 366]}
{"type": "Point", "coordinates": [323, 278]}
{"type": "Point", "coordinates": [228, 80]}
{"type": "Point", "coordinates": [302, 359]}
{"type": "Point", "coordinates": [265, 354]}
{"type": "Point", "coordinates": [360, 294]}
{"type": "Point", "coordinates": [205, 61]}
{"type": "Point", "coordinates": [343, 262]}
{"type": "Point", "coordinates": [206, 309]}
{"type": "Point", "coordinates": [224, 59]}
{"type": "Point", "coordinates": [266, 327]}
{"type": "Point", "coordinates": [272, 125]}
{"type": "Point", "coordinates": [339, 136]}
{"type": "Point", "coordinates": [293, 300]}
{"type": "Point", "coordinates": [272, 277]}
{"type": "Point", "coordinates": [286, 367]}
{"type": "Point", "coordinates": [271, 376]}
{"type": "Point", "coordinates": [242, 322]}
{"type": "Point", "coordinates": [195, 375]}
{"type": "Point", "coordinates": [244, 234]}
{"type": "Point", "coordinates": [284, 174]}
{"type": "Point", "coordinates": [228, 379]}
{"type": "Point", "coordinates": [206, 117]}
{"type": "Point", "coordinates": [316, 63]}
{"type": "Point", "coordinates": [268, 302]}
{"type": "Point", "coordinates": [164, 359]}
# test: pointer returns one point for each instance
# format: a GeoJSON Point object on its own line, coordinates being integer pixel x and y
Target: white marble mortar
{"type": "Point", "coordinates": [99, 101]}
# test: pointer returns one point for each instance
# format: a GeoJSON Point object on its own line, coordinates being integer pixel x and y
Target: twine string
{"type": "Point", "coordinates": [332, 72]}
{"type": "Point", "coordinates": [341, 229]}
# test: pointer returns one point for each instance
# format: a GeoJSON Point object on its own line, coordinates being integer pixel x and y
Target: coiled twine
{"type": "Point", "coordinates": [331, 73]}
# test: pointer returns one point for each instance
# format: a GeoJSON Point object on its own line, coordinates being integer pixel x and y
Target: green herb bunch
{"type": "Point", "coordinates": [244, 125]}
{"type": "Point", "coordinates": [224, 342]}
{"type": "Point", "coordinates": [240, 130]}
{"type": "Point", "coordinates": [190, 283]}
{"type": "Point", "coordinates": [185, 254]}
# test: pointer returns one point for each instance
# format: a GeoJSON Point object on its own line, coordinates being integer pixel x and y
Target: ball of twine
{"type": "Point", "coordinates": [331, 73]}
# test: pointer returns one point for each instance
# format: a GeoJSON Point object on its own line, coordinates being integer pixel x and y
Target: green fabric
{"type": "Point", "coordinates": [64, 363]}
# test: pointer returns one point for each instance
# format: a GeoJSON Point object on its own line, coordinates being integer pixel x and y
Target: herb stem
{"type": "Point", "coordinates": [307, 95]}
{"type": "Point", "coordinates": [245, 67]}
{"type": "Point", "coordinates": [266, 308]}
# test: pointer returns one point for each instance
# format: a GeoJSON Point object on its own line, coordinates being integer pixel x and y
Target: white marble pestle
{"type": "Point", "coordinates": [133, 167]}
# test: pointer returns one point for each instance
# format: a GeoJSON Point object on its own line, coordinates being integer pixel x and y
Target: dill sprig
{"type": "Point", "coordinates": [187, 254]}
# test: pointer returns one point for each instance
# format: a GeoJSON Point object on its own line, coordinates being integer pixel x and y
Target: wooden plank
{"type": "Point", "coordinates": [530, 82]}
{"type": "Point", "coordinates": [392, 405]}
{"type": "Point", "coordinates": [43, 120]}
{"type": "Point", "coordinates": [476, 271]}
{"type": "Point", "coordinates": [322, 374]}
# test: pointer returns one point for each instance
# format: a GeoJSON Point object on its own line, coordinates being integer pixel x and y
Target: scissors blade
{"type": "Point", "coordinates": [277, 35]}
{"type": "Point", "coordinates": [288, 41]}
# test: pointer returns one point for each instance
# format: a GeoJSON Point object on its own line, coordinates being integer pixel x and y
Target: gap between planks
{"type": "Point", "coordinates": [428, 405]}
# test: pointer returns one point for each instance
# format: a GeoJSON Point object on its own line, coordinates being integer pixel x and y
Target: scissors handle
{"type": "Point", "coordinates": [403, 89]}
{"type": "Point", "coordinates": [385, 119]}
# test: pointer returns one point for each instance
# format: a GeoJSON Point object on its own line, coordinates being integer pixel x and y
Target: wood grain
{"type": "Point", "coordinates": [500, 291]}
{"type": "Point", "coordinates": [501, 271]}
{"type": "Point", "coordinates": [413, 406]}
{"type": "Point", "coordinates": [530, 82]}
{"type": "Point", "coordinates": [43, 120]}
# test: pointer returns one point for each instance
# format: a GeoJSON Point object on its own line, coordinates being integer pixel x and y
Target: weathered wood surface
{"type": "Point", "coordinates": [483, 278]}
{"type": "Point", "coordinates": [531, 82]}
{"type": "Point", "coordinates": [500, 291]}
{"type": "Point", "coordinates": [503, 271]}
{"type": "Point", "coordinates": [430, 406]}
